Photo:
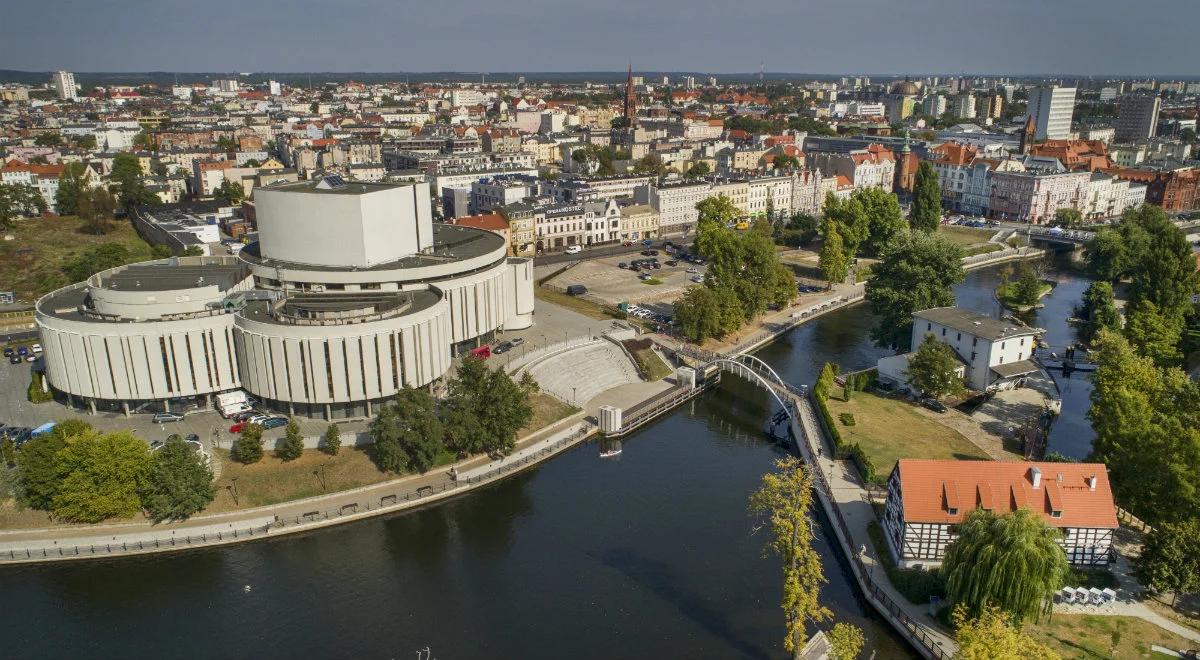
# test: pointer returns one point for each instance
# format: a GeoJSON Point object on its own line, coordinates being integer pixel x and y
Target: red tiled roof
{"type": "Point", "coordinates": [954, 153]}
{"type": "Point", "coordinates": [931, 488]}
{"type": "Point", "coordinates": [490, 221]}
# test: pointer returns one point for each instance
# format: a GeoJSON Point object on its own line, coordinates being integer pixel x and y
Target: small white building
{"type": "Point", "coordinates": [996, 353]}
{"type": "Point", "coordinates": [927, 500]}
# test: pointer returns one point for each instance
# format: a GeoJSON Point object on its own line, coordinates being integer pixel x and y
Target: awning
{"type": "Point", "coordinates": [1019, 368]}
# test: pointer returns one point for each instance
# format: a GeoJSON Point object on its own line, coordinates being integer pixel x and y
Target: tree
{"type": "Point", "coordinates": [1188, 136]}
{"type": "Point", "coordinates": [781, 505]}
{"type": "Point", "coordinates": [1012, 561]}
{"type": "Point", "coordinates": [834, 262]}
{"type": "Point", "coordinates": [650, 164]}
{"type": "Point", "coordinates": [1027, 289]}
{"type": "Point", "coordinates": [226, 143]}
{"type": "Point", "coordinates": [885, 220]}
{"type": "Point", "coordinates": [71, 184]}
{"type": "Point", "coordinates": [102, 477]}
{"type": "Point", "coordinates": [39, 476]}
{"type": "Point", "coordinates": [845, 642]}
{"type": "Point", "coordinates": [917, 272]}
{"type": "Point", "coordinates": [95, 206]}
{"type": "Point", "coordinates": [933, 369]}
{"type": "Point", "coordinates": [127, 176]}
{"type": "Point", "coordinates": [784, 162]}
{"type": "Point", "coordinates": [851, 220]}
{"type": "Point", "coordinates": [192, 251]}
{"type": "Point", "coordinates": [699, 314]}
{"type": "Point", "coordinates": [248, 448]}
{"type": "Point", "coordinates": [160, 252]}
{"type": "Point", "coordinates": [698, 170]}
{"type": "Point", "coordinates": [927, 199]}
{"type": "Point", "coordinates": [1068, 217]}
{"type": "Point", "coordinates": [87, 142]}
{"type": "Point", "coordinates": [1105, 255]}
{"type": "Point", "coordinates": [143, 141]}
{"type": "Point", "coordinates": [992, 635]}
{"type": "Point", "coordinates": [48, 140]}
{"type": "Point", "coordinates": [799, 230]}
{"type": "Point", "coordinates": [1155, 335]}
{"type": "Point", "coordinates": [19, 200]}
{"type": "Point", "coordinates": [179, 483]}
{"type": "Point", "coordinates": [1170, 559]}
{"type": "Point", "coordinates": [1099, 309]}
{"type": "Point", "coordinates": [333, 440]}
{"type": "Point", "coordinates": [407, 432]}
{"type": "Point", "coordinates": [1147, 422]}
{"type": "Point", "coordinates": [90, 262]}
{"type": "Point", "coordinates": [293, 442]}
{"type": "Point", "coordinates": [230, 191]}
{"type": "Point", "coordinates": [1152, 252]}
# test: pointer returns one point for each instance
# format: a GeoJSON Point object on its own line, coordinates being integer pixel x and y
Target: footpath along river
{"type": "Point", "coordinates": [649, 554]}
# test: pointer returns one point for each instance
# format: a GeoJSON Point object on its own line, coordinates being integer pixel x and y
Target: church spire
{"type": "Point", "coordinates": [630, 98]}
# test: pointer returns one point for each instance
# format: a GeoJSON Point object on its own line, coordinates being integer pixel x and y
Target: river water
{"type": "Point", "coordinates": [650, 554]}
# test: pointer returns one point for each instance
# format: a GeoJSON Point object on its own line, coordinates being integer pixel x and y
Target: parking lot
{"type": "Point", "coordinates": [610, 284]}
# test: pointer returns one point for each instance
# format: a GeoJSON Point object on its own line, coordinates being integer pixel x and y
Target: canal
{"type": "Point", "coordinates": [649, 554]}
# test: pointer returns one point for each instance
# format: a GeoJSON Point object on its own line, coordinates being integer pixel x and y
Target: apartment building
{"type": "Point", "coordinates": [1052, 108]}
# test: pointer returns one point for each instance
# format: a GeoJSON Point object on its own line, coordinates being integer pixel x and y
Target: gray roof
{"type": "Point", "coordinates": [1019, 368]}
{"type": "Point", "coordinates": [974, 323]}
{"type": "Point", "coordinates": [165, 276]}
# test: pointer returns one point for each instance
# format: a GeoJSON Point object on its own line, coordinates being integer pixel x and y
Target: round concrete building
{"type": "Point", "coordinates": [351, 293]}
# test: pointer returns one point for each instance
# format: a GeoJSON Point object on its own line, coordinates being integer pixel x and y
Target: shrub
{"type": "Point", "coordinates": [293, 442]}
{"type": "Point", "coordinates": [333, 440]}
{"type": "Point", "coordinates": [248, 448]}
{"type": "Point", "coordinates": [36, 392]}
{"type": "Point", "coordinates": [847, 418]}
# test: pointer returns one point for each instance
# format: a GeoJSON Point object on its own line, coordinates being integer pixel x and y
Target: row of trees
{"type": "Point", "coordinates": [79, 474]}
{"type": "Point", "coordinates": [482, 414]}
{"type": "Point", "coordinates": [744, 278]}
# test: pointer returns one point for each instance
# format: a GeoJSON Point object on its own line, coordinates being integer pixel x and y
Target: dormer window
{"type": "Point", "coordinates": [1056, 514]}
{"type": "Point", "coordinates": [953, 511]}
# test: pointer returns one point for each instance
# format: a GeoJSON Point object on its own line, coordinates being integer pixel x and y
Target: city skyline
{"type": "Point", "coordinates": [1065, 38]}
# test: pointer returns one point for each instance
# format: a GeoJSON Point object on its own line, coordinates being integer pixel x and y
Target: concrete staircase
{"type": "Point", "coordinates": [578, 374]}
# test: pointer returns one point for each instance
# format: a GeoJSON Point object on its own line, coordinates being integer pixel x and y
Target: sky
{"type": "Point", "coordinates": [1088, 37]}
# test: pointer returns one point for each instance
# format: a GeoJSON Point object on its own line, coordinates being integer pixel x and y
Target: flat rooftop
{"type": "Point", "coordinates": [450, 243]}
{"type": "Point", "coordinates": [329, 304]}
{"type": "Point", "coordinates": [168, 276]}
{"type": "Point", "coordinates": [974, 323]}
{"type": "Point", "coordinates": [334, 186]}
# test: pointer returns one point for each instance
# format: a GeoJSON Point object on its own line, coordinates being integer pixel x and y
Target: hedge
{"type": "Point", "coordinates": [841, 450]}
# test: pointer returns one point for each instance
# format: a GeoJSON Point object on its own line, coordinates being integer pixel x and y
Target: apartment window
{"type": "Point", "coordinates": [959, 337]}
{"type": "Point", "coordinates": [929, 327]}
{"type": "Point", "coordinates": [943, 332]}
{"type": "Point", "coordinates": [974, 341]}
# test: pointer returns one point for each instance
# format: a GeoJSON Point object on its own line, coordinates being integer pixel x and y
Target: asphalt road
{"type": "Point", "coordinates": [608, 251]}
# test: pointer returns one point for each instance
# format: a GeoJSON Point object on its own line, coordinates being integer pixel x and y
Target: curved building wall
{"type": "Point", "coordinates": [518, 286]}
{"type": "Point", "coordinates": [328, 364]}
{"type": "Point", "coordinates": [139, 361]}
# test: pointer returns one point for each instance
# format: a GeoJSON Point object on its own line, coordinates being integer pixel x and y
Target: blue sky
{"type": "Point", "coordinates": [804, 36]}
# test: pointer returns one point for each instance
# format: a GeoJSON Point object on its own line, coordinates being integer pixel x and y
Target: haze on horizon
{"type": "Point", "coordinates": [1083, 37]}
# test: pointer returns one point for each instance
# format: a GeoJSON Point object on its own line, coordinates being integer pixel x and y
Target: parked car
{"type": "Point", "coordinates": [31, 358]}
{"type": "Point", "coordinates": [274, 422]}
{"type": "Point", "coordinates": [503, 347]}
{"type": "Point", "coordinates": [627, 244]}
{"type": "Point", "coordinates": [191, 437]}
{"type": "Point", "coordinates": [245, 415]}
{"type": "Point", "coordinates": [646, 253]}
{"type": "Point", "coordinates": [164, 417]}
{"type": "Point", "coordinates": [483, 352]}
{"type": "Point", "coordinates": [697, 279]}
{"type": "Point", "coordinates": [516, 341]}
{"type": "Point", "coordinates": [933, 404]}
{"type": "Point", "coordinates": [22, 351]}
{"type": "Point", "coordinates": [622, 265]}
{"type": "Point", "coordinates": [574, 249]}
{"type": "Point", "coordinates": [693, 270]}
{"type": "Point", "coordinates": [36, 348]}
{"type": "Point", "coordinates": [9, 351]}
{"type": "Point", "coordinates": [576, 290]}
{"type": "Point", "coordinates": [16, 359]}
{"type": "Point", "coordinates": [672, 262]}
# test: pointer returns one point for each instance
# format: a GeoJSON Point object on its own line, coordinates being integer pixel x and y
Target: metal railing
{"type": "Point", "coordinates": [913, 629]}
{"type": "Point", "coordinates": [393, 501]}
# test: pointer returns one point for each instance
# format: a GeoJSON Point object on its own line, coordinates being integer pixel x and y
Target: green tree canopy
{"type": "Point", "coordinates": [1170, 559]}
{"type": "Point", "coordinates": [1147, 422]}
{"type": "Point", "coordinates": [126, 176]}
{"type": "Point", "coordinates": [230, 191]}
{"type": "Point", "coordinates": [179, 483]}
{"type": "Point", "coordinates": [781, 506]}
{"type": "Point", "coordinates": [1068, 217]}
{"type": "Point", "coordinates": [698, 170]}
{"type": "Point", "coordinates": [993, 635]}
{"type": "Point", "coordinates": [833, 260]}
{"type": "Point", "coordinates": [102, 477]}
{"type": "Point", "coordinates": [933, 369]}
{"type": "Point", "coordinates": [1012, 561]}
{"type": "Point", "coordinates": [927, 199]}
{"type": "Point", "coordinates": [1099, 309]}
{"type": "Point", "coordinates": [484, 410]}
{"type": "Point", "coordinates": [699, 314]}
{"type": "Point", "coordinates": [71, 184]}
{"type": "Point", "coordinates": [1153, 253]}
{"type": "Point", "coordinates": [333, 440]}
{"type": "Point", "coordinates": [293, 442]}
{"type": "Point", "coordinates": [1154, 334]}
{"type": "Point", "coordinates": [407, 432]}
{"type": "Point", "coordinates": [917, 272]}
{"type": "Point", "coordinates": [248, 447]}
{"type": "Point", "coordinates": [94, 260]}
{"type": "Point", "coordinates": [19, 200]}
{"type": "Point", "coordinates": [48, 139]}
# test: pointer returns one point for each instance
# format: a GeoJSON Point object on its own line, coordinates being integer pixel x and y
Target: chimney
{"type": "Point", "coordinates": [1035, 477]}
{"type": "Point", "coordinates": [1091, 482]}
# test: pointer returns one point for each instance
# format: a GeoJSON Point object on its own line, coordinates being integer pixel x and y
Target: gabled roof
{"type": "Point", "coordinates": [1080, 493]}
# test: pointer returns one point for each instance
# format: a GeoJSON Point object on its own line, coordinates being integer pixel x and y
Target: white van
{"type": "Point", "coordinates": [574, 249]}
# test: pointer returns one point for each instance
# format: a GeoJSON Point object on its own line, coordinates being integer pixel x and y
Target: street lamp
{"type": "Point", "coordinates": [232, 488]}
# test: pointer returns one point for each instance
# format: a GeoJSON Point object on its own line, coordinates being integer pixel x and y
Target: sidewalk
{"type": "Point", "coordinates": [851, 511]}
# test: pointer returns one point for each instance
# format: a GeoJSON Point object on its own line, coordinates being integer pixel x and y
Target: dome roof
{"type": "Point", "coordinates": [906, 88]}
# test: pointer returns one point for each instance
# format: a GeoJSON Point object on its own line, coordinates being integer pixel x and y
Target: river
{"type": "Point", "coordinates": [650, 554]}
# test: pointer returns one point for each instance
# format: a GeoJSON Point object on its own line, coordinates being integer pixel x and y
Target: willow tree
{"type": "Point", "coordinates": [781, 505]}
{"type": "Point", "coordinates": [1012, 561]}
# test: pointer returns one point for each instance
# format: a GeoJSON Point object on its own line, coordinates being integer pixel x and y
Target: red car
{"type": "Point", "coordinates": [483, 352]}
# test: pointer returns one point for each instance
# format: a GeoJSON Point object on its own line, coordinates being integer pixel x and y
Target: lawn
{"type": "Point", "coordinates": [964, 236]}
{"type": "Point", "coordinates": [31, 263]}
{"type": "Point", "coordinates": [573, 303]}
{"type": "Point", "coordinates": [1006, 294]}
{"type": "Point", "coordinates": [891, 429]}
{"type": "Point", "coordinates": [546, 411]}
{"type": "Point", "coordinates": [981, 248]}
{"type": "Point", "coordinates": [1090, 636]}
{"type": "Point", "coordinates": [271, 480]}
